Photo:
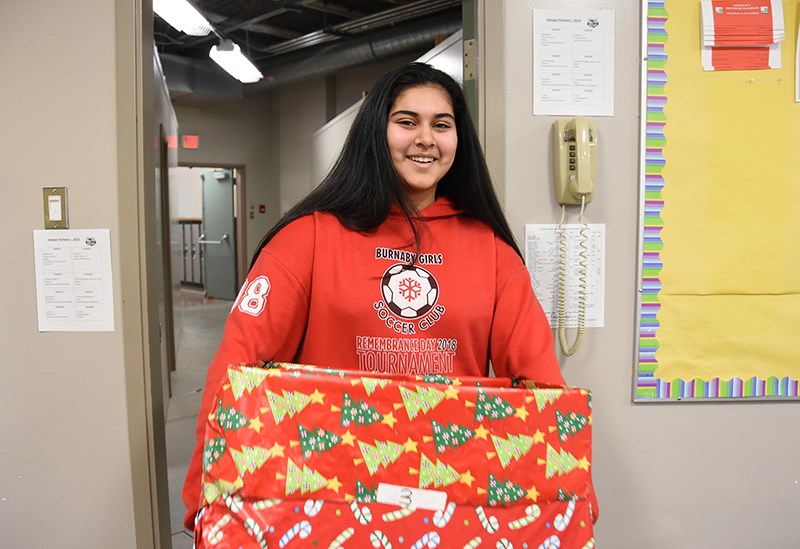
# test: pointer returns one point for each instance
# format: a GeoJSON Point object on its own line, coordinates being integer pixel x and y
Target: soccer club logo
{"type": "Point", "coordinates": [409, 291]}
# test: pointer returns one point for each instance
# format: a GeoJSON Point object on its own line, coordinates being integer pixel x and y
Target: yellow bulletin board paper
{"type": "Point", "coordinates": [719, 303]}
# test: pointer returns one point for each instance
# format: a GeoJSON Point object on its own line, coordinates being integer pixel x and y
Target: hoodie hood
{"type": "Point", "coordinates": [441, 207]}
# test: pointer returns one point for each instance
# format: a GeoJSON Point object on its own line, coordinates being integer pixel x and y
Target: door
{"type": "Point", "coordinates": [218, 238]}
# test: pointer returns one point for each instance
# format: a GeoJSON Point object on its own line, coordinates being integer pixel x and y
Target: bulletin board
{"type": "Point", "coordinates": [719, 265]}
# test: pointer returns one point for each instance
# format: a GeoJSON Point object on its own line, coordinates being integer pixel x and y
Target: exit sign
{"type": "Point", "coordinates": [190, 141]}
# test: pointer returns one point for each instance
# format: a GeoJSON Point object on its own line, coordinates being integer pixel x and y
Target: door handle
{"type": "Point", "coordinates": [220, 241]}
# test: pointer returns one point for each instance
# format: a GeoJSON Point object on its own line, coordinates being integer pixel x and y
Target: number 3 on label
{"type": "Point", "coordinates": [405, 497]}
{"type": "Point", "coordinates": [253, 296]}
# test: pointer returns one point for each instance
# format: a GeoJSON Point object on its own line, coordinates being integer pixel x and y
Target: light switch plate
{"type": "Point", "coordinates": [55, 208]}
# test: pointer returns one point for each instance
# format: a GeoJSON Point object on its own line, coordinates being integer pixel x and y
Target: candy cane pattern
{"type": "Point", "coordinates": [312, 507]}
{"type": "Point", "coordinates": [431, 539]}
{"type": "Point", "coordinates": [341, 538]}
{"type": "Point", "coordinates": [363, 515]}
{"type": "Point", "coordinates": [551, 543]}
{"type": "Point", "coordinates": [489, 523]}
{"type": "Point", "coordinates": [589, 544]}
{"type": "Point", "coordinates": [234, 503]}
{"type": "Point", "coordinates": [397, 515]}
{"type": "Point", "coordinates": [302, 529]}
{"type": "Point", "coordinates": [266, 503]}
{"type": "Point", "coordinates": [379, 540]}
{"type": "Point", "coordinates": [440, 519]}
{"type": "Point", "coordinates": [503, 543]}
{"type": "Point", "coordinates": [532, 512]}
{"type": "Point", "coordinates": [473, 543]}
{"type": "Point", "coordinates": [215, 534]}
{"type": "Point", "coordinates": [562, 521]}
{"type": "Point", "coordinates": [254, 530]}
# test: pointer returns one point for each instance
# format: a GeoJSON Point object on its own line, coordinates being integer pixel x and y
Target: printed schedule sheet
{"type": "Point", "coordinates": [573, 62]}
{"type": "Point", "coordinates": [73, 280]}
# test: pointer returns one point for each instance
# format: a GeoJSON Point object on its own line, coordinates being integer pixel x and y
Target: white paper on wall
{"type": "Point", "coordinates": [73, 280]}
{"type": "Point", "coordinates": [542, 256]}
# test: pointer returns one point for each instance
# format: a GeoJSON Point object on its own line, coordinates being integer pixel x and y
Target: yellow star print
{"type": "Point", "coordinates": [481, 432]}
{"type": "Point", "coordinates": [317, 397]}
{"type": "Point", "coordinates": [256, 424]}
{"type": "Point", "coordinates": [410, 445]}
{"type": "Point", "coordinates": [389, 420]}
{"type": "Point", "coordinates": [348, 438]}
{"type": "Point", "coordinates": [276, 450]}
{"type": "Point", "coordinates": [334, 484]}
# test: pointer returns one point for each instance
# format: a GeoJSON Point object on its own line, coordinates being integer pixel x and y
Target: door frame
{"type": "Point", "coordinates": [166, 259]}
{"type": "Point", "coordinates": [240, 206]}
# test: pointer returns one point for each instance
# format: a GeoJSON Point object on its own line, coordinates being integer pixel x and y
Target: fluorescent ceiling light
{"type": "Point", "coordinates": [183, 16]}
{"type": "Point", "coordinates": [229, 56]}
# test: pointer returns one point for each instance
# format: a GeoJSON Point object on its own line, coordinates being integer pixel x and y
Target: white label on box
{"type": "Point", "coordinates": [416, 498]}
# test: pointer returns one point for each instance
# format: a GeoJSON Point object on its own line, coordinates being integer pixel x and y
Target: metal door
{"type": "Point", "coordinates": [219, 234]}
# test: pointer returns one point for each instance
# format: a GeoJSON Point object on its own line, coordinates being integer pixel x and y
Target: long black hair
{"type": "Point", "coordinates": [363, 185]}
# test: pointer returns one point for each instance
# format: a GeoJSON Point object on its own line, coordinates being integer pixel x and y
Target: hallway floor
{"type": "Point", "coordinates": [201, 321]}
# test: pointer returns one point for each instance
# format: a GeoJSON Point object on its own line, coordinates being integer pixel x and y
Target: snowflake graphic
{"type": "Point", "coordinates": [409, 288]}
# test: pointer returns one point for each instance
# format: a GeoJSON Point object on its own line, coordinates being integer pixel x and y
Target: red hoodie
{"type": "Point", "coordinates": [325, 295]}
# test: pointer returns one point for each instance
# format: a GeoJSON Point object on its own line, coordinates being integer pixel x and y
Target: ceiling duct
{"type": "Point", "coordinates": [401, 40]}
{"type": "Point", "coordinates": [407, 39]}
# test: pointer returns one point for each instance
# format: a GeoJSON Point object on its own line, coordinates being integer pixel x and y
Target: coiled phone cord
{"type": "Point", "coordinates": [570, 350]}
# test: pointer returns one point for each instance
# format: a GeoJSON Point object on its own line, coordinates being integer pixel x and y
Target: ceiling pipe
{"type": "Point", "coordinates": [406, 39]}
{"type": "Point", "coordinates": [187, 76]}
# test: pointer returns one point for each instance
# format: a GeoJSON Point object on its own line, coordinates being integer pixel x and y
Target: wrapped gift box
{"type": "Point", "coordinates": [297, 456]}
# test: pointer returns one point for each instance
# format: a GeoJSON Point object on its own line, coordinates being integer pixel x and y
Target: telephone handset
{"type": "Point", "coordinates": [574, 167]}
{"type": "Point", "coordinates": [575, 162]}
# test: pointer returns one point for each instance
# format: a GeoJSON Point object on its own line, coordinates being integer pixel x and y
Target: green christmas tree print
{"type": "Point", "coordinates": [514, 447]}
{"type": "Point", "coordinates": [229, 418]}
{"type": "Point", "coordinates": [450, 436]}
{"type": "Point", "coordinates": [570, 424]}
{"type": "Point", "coordinates": [290, 403]}
{"type": "Point", "coordinates": [212, 451]}
{"type": "Point", "coordinates": [249, 458]}
{"type": "Point", "coordinates": [564, 496]}
{"type": "Point", "coordinates": [364, 494]}
{"type": "Point", "coordinates": [503, 492]}
{"type": "Point", "coordinates": [437, 378]}
{"type": "Point", "coordinates": [371, 384]}
{"type": "Point", "coordinates": [559, 462]}
{"type": "Point", "coordinates": [491, 407]}
{"type": "Point", "coordinates": [381, 453]}
{"type": "Point", "coordinates": [246, 379]}
{"type": "Point", "coordinates": [214, 490]}
{"type": "Point", "coordinates": [424, 399]}
{"type": "Point", "coordinates": [360, 414]}
{"type": "Point", "coordinates": [436, 474]}
{"type": "Point", "coordinates": [306, 479]}
{"type": "Point", "coordinates": [318, 440]}
{"type": "Point", "coordinates": [546, 396]}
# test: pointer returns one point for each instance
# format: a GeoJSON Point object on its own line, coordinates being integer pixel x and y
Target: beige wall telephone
{"type": "Point", "coordinates": [574, 169]}
{"type": "Point", "coordinates": [574, 162]}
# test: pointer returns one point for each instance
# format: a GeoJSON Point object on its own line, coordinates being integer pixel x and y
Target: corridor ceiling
{"type": "Point", "coordinates": [310, 37]}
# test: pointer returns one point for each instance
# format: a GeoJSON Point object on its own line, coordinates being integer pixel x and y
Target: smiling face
{"type": "Point", "coordinates": [422, 138]}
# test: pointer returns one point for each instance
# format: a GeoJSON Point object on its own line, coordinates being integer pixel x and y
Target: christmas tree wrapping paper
{"type": "Point", "coordinates": [297, 456]}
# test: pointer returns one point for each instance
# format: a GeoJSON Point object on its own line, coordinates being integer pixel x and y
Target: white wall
{"type": "Point", "coordinates": [302, 112]}
{"type": "Point", "coordinates": [65, 466]}
{"type": "Point", "coordinates": [688, 476]}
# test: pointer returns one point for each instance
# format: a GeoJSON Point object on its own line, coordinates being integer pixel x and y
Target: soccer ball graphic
{"type": "Point", "coordinates": [409, 291]}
